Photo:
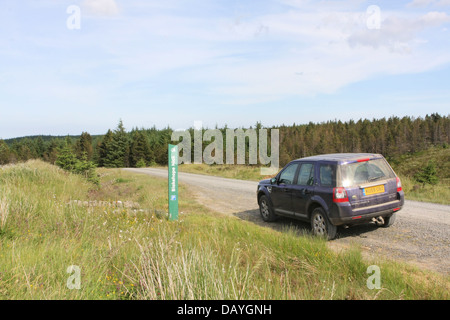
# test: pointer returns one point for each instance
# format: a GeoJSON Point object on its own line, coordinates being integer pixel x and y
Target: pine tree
{"type": "Point", "coordinates": [66, 159]}
{"type": "Point", "coordinates": [39, 147]}
{"type": "Point", "coordinates": [140, 150]}
{"type": "Point", "coordinates": [87, 169]}
{"type": "Point", "coordinates": [83, 146]}
{"type": "Point", "coordinates": [51, 153]}
{"type": "Point", "coordinates": [118, 153]}
{"type": "Point", "coordinates": [25, 151]}
{"type": "Point", "coordinates": [428, 174]}
{"type": "Point", "coordinates": [159, 146]}
{"type": "Point", "coordinates": [4, 153]}
{"type": "Point", "coordinates": [104, 148]}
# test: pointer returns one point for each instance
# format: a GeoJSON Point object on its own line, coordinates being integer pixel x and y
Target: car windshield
{"type": "Point", "coordinates": [356, 173]}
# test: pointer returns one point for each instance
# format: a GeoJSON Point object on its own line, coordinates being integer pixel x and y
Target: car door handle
{"type": "Point", "coordinates": [306, 191]}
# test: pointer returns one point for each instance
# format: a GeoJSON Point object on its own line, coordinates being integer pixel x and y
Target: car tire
{"type": "Point", "coordinates": [389, 221]}
{"type": "Point", "coordinates": [321, 226]}
{"type": "Point", "coordinates": [266, 210]}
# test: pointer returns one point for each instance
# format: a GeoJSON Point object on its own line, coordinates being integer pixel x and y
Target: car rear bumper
{"type": "Point", "coordinates": [344, 214]}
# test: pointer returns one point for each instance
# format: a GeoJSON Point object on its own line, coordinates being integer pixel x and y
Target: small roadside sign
{"type": "Point", "coordinates": [173, 182]}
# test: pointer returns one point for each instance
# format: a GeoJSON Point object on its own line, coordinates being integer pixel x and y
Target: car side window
{"type": "Point", "coordinates": [306, 175]}
{"type": "Point", "coordinates": [288, 174]}
{"type": "Point", "coordinates": [327, 175]}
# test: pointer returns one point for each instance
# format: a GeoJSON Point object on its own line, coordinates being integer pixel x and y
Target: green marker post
{"type": "Point", "coordinates": [173, 182]}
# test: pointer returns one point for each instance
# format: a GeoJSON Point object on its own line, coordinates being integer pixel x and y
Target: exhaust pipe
{"type": "Point", "coordinates": [378, 220]}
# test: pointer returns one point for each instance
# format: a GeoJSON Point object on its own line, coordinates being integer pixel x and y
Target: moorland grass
{"type": "Point", "coordinates": [134, 252]}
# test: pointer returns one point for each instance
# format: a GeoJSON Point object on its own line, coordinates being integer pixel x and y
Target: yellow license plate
{"type": "Point", "coordinates": [373, 190]}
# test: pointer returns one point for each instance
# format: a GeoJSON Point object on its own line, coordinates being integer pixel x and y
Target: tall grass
{"type": "Point", "coordinates": [4, 211]}
{"type": "Point", "coordinates": [135, 253]}
{"type": "Point", "coordinates": [439, 193]}
{"type": "Point", "coordinates": [168, 271]}
{"type": "Point", "coordinates": [241, 172]}
{"type": "Point", "coordinates": [408, 165]}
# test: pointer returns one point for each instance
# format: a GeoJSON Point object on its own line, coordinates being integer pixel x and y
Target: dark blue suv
{"type": "Point", "coordinates": [333, 190]}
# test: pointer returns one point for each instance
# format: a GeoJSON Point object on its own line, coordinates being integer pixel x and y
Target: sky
{"type": "Point", "coordinates": [82, 65]}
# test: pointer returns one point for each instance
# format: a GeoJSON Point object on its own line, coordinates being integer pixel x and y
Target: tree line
{"type": "Point", "coordinates": [115, 149]}
{"type": "Point", "coordinates": [145, 147]}
{"type": "Point", "coordinates": [390, 137]}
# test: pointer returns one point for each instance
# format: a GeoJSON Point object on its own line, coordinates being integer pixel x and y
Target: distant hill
{"type": "Point", "coordinates": [45, 138]}
{"type": "Point", "coordinates": [409, 164]}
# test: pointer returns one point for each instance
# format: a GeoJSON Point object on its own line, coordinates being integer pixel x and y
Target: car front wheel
{"type": "Point", "coordinates": [321, 226]}
{"type": "Point", "coordinates": [266, 210]}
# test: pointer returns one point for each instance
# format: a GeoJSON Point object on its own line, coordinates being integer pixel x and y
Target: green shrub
{"type": "Point", "coordinates": [141, 163]}
{"type": "Point", "coordinates": [428, 174]}
{"type": "Point", "coordinates": [68, 161]}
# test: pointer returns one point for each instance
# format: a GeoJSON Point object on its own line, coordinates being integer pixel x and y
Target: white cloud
{"type": "Point", "coordinates": [425, 3]}
{"type": "Point", "coordinates": [315, 56]}
{"type": "Point", "coordinates": [399, 34]}
{"type": "Point", "coordinates": [263, 58]}
{"type": "Point", "coordinates": [101, 7]}
{"type": "Point", "coordinates": [420, 3]}
{"type": "Point", "coordinates": [434, 18]}
{"type": "Point", "coordinates": [255, 58]}
{"type": "Point", "coordinates": [323, 4]}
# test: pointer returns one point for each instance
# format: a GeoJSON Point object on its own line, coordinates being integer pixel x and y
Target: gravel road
{"type": "Point", "coordinates": [420, 234]}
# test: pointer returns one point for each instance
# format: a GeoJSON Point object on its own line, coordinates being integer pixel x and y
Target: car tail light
{"type": "Point", "coordinates": [399, 185]}
{"type": "Point", "coordinates": [340, 195]}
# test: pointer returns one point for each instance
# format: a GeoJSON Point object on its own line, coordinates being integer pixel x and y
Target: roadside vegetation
{"type": "Point", "coordinates": [240, 172]}
{"type": "Point", "coordinates": [425, 174]}
{"type": "Point", "coordinates": [417, 148]}
{"type": "Point", "coordinates": [118, 235]}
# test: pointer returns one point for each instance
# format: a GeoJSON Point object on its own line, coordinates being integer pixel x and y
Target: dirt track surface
{"type": "Point", "coordinates": [420, 234]}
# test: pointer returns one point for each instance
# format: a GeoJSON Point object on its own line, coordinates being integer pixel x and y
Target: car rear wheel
{"type": "Point", "coordinates": [321, 226]}
{"type": "Point", "coordinates": [266, 210]}
{"type": "Point", "coordinates": [389, 221]}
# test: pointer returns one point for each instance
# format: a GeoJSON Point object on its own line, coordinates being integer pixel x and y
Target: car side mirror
{"type": "Point", "coordinates": [273, 181]}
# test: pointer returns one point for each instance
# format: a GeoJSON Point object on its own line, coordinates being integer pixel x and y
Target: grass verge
{"type": "Point", "coordinates": [241, 172]}
{"type": "Point", "coordinates": [408, 165]}
{"type": "Point", "coordinates": [126, 249]}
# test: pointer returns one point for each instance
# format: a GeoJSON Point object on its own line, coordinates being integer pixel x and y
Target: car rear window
{"type": "Point", "coordinates": [357, 173]}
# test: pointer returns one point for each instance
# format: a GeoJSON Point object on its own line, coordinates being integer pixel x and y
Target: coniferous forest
{"type": "Point", "coordinates": [144, 147]}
